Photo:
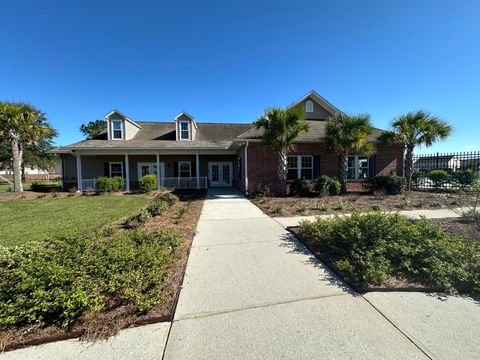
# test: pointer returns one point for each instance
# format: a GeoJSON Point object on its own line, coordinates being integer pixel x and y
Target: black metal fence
{"type": "Point", "coordinates": [445, 171]}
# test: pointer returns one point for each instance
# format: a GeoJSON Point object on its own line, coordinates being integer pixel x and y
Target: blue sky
{"type": "Point", "coordinates": [224, 61]}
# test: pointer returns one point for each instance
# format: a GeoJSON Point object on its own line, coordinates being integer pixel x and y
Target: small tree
{"type": "Point", "coordinates": [93, 128]}
{"type": "Point", "coordinates": [21, 124]}
{"type": "Point", "coordinates": [280, 129]}
{"type": "Point", "coordinates": [347, 134]}
{"type": "Point", "coordinates": [414, 129]}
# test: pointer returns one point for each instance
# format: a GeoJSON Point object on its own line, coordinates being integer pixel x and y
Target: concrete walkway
{"type": "Point", "coordinates": [289, 221]}
{"type": "Point", "coordinates": [143, 342]}
{"type": "Point", "coordinates": [251, 291]}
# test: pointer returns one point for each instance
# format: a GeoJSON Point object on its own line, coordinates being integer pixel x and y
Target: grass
{"type": "Point", "coordinates": [24, 221]}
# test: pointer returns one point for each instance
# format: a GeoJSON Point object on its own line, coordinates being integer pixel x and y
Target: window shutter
{"type": "Point", "coordinates": [316, 166]}
{"type": "Point", "coordinates": [175, 169]}
{"type": "Point", "coordinates": [106, 169]}
{"type": "Point", "coordinates": [372, 166]}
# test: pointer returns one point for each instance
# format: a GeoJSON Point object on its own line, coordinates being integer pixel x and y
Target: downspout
{"type": "Point", "coordinates": [246, 168]}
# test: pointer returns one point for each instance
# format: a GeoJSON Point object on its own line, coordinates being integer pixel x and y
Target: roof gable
{"type": "Point", "coordinates": [319, 100]}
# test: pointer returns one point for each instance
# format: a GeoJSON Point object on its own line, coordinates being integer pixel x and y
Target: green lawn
{"type": "Point", "coordinates": [23, 221]}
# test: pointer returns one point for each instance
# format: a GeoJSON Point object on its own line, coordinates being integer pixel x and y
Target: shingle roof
{"type": "Point", "coordinates": [316, 132]}
{"type": "Point", "coordinates": [162, 135]}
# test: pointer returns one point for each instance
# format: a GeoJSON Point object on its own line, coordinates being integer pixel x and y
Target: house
{"type": "Point", "coordinates": [184, 153]}
{"type": "Point", "coordinates": [450, 163]}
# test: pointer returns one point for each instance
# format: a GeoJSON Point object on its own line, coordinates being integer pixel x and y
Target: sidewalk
{"type": "Point", "coordinates": [290, 221]}
{"type": "Point", "coordinates": [252, 291]}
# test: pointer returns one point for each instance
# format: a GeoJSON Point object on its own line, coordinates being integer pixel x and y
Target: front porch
{"type": "Point", "coordinates": [173, 171]}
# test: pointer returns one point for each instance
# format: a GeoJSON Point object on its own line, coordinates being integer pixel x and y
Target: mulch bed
{"type": "Point", "coordinates": [101, 325]}
{"type": "Point", "coordinates": [458, 226]}
{"type": "Point", "coordinates": [294, 206]}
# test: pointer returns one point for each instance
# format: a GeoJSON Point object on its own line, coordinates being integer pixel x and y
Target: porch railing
{"type": "Point", "coordinates": [165, 183]}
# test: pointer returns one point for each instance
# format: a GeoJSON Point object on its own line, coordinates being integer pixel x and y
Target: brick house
{"type": "Point", "coordinates": [185, 153]}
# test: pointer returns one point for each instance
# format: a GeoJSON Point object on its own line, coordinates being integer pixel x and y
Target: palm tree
{"type": "Point", "coordinates": [280, 129]}
{"type": "Point", "coordinates": [413, 129]}
{"type": "Point", "coordinates": [347, 134]}
{"type": "Point", "coordinates": [21, 124]}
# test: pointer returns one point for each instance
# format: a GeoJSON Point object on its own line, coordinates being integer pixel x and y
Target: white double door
{"type": "Point", "coordinates": [220, 173]}
{"type": "Point", "coordinates": [150, 168]}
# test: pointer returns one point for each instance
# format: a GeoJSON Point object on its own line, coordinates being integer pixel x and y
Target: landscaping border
{"type": "Point", "coordinates": [75, 334]}
{"type": "Point", "coordinates": [355, 287]}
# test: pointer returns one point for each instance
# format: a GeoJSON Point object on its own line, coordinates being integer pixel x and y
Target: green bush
{"type": "Point", "coordinates": [148, 183]}
{"type": "Point", "coordinates": [392, 185]}
{"type": "Point", "coordinates": [57, 281]}
{"type": "Point", "coordinates": [326, 185]}
{"type": "Point", "coordinates": [375, 247]}
{"type": "Point", "coordinates": [464, 177]}
{"type": "Point", "coordinates": [108, 184]}
{"type": "Point", "coordinates": [439, 177]}
{"type": "Point", "coordinates": [157, 207]}
{"type": "Point", "coordinates": [169, 198]}
{"type": "Point", "coordinates": [300, 187]}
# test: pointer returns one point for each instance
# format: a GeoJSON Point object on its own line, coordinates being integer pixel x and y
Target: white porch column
{"type": "Point", "coordinates": [158, 171]}
{"type": "Point", "coordinates": [246, 168]}
{"type": "Point", "coordinates": [79, 173]}
{"type": "Point", "coordinates": [197, 163]}
{"type": "Point", "coordinates": [127, 173]}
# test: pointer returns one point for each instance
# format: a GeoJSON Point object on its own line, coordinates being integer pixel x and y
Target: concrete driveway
{"type": "Point", "coordinates": [252, 291]}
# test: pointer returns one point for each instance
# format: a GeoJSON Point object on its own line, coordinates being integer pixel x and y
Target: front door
{"type": "Point", "coordinates": [220, 173]}
{"type": "Point", "coordinates": [147, 168]}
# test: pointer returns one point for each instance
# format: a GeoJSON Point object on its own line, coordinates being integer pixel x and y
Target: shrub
{"type": "Point", "coordinates": [464, 177]}
{"type": "Point", "coordinates": [376, 247]}
{"type": "Point", "coordinates": [320, 206]}
{"type": "Point", "coordinates": [392, 185]}
{"type": "Point", "coordinates": [278, 210]}
{"type": "Point", "coordinates": [300, 187]}
{"type": "Point", "coordinates": [301, 209]}
{"type": "Point", "coordinates": [56, 282]}
{"type": "Point", "coordinates": [327, 185]}
{"type": "Point", "coordinates": [439, 177]}
{"type": "Point", "coordinates": [169, 198]}
{"type": "Point", "coordinates": [108, 184]}
{"type": "Point", "coordinates": [157, 207]}
{"type": "Point", "coordinates": [342, 204]}
{"type": "Point", "coordinates": [148, 183]}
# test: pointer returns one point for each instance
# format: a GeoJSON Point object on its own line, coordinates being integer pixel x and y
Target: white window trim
{"type": "Point", "coordinates": [189, 167]}
{"type": "Point", "coordinates": [309, 106]}
{"type": "Point", "coordinates": [110, 167]}
{"type": "Point", "coordinates": [180, 130]}
{"type": "Point", "coordinates": [357, 168]}
{"type": "Point", "coordinates": [113, 129]}
{"type": "Point", "coordinates": [299, 165]}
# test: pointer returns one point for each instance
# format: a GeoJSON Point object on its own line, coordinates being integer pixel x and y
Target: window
{"type": "Point", "coordinates": [117, 131]}
{"type": "Point", "coordinates": [357, 168]}
{"type": "Point", "coordinates": [184, 169]}
{"type": "Point", "coordinates": [309, 106]}
{"type": "Point", "coordinates": [116, 169]}
{"type": "Point", "coordinates": [184, 130]}
{"type": "Point", "coordinates": [299, 167]}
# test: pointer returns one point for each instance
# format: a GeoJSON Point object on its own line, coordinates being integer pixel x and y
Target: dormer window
{"type": "Point", "coordinates": [309, 106]}
{"type": "Point", "coordinates": [184, 130]}
{"type": "Point", "coordinates": [117, 130]}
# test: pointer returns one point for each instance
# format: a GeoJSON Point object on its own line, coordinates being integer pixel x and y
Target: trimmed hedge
{"type": "Point", "coordinates": [300, 187]}
{"type": "Point", "coordinates": [107, 184]}
{"type": "Point", "coordinates": [45, 187]}
{"type": "Point", "coordinates": [392, 185]}
{"type": "Point", "coordinates": [148, 183]}
{"type": "Point", "coordinates": [370, 249]}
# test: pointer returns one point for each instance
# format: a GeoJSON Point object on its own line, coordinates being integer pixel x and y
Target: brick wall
{"type": "Point", "coordinates": [262, 162]}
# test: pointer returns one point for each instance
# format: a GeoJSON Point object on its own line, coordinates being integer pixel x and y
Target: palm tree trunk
{"type": "Point", "coordinates": [343, 172]}
{"type": "Point", "coordinates": [408, 164]}
{"type": "Point", "coordinates": [282, 172]}
{"type": "Point", "coordinates": [17, 164]}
